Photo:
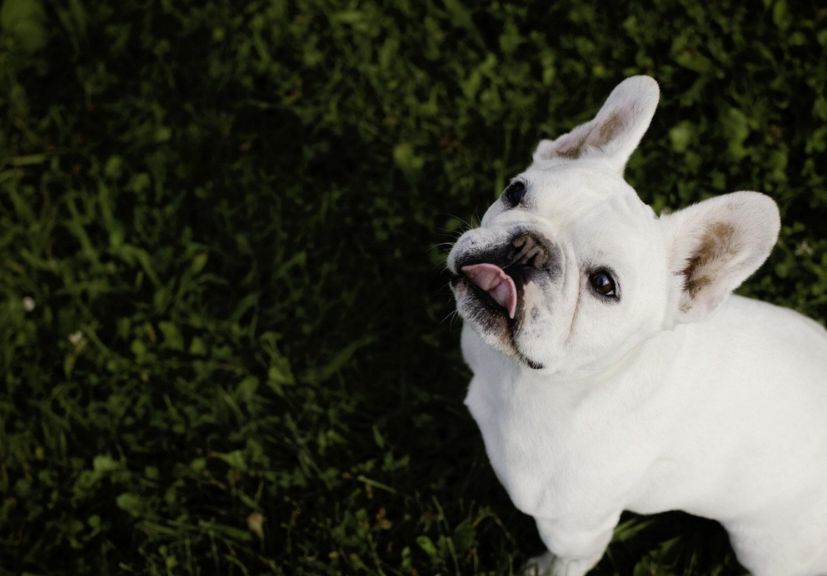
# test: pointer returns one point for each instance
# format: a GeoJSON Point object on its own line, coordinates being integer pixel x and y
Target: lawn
{"type": "Point", "coordinates": [225, 329]}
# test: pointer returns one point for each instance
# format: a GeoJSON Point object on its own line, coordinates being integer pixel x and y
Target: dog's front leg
{"type": "Point", "coordinates": [574, 547]}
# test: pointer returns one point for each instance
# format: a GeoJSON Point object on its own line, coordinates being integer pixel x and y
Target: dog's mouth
{"type": "Point", "coordinates": [497, 277]}
{"type": "Point", "coordinates": [494, 285]}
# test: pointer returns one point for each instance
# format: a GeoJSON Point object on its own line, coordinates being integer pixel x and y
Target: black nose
{"type": "Point", "coordinates": [529, 250]}
{"type": "Point", "coordinates": [515, 192]}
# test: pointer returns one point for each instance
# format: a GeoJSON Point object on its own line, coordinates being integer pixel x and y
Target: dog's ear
{"type": "Point", "coordinates": [616, 130]}
{"type": "Point", "coordinates": [715, 245]}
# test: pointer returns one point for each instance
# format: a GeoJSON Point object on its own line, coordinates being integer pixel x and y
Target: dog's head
{"type": "Point", "coordinates": [570, 270]}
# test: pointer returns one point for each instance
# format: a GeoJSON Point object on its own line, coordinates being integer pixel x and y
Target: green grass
{"type": "Point", "coordinates": [229, 218]}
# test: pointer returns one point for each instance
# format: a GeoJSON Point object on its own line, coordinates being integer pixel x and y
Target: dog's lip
{"type": "Point", "coordinates": [487, 301]}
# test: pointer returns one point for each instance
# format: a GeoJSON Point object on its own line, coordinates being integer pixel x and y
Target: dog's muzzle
{"type": "Point", "coordinates": [498, 274]}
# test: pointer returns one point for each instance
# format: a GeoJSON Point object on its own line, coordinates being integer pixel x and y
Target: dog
{"type": "Point", "coordinates": [614, 370]}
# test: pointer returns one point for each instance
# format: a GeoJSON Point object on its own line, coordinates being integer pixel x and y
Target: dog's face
{"type": "Point", "coordinates": [564, 268]}
{"type": "Point", "coordinates": [570, 270]}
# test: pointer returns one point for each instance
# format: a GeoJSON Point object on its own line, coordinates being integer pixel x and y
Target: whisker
{"type": "Point", "coordinates": [450, 316]}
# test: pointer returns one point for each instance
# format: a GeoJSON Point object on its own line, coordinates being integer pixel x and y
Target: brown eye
{"type": "Point", "coordinates": [603, 284]}
{"type": "Point", "coordinates": [515, 192]}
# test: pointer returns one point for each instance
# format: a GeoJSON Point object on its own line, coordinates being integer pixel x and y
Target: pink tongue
{"type": "Point", "coordinates": [497, 283]}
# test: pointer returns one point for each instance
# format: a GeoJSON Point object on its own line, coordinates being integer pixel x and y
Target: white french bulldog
{"type": "Point", "coordinates": [614, 371]}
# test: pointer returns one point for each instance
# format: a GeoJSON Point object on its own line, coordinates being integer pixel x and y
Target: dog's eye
{"type": "Point", "coordinates": [603, 284]}
{"type": "Point", "coordinates": [515, 192]}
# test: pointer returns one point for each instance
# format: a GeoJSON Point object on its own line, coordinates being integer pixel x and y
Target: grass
{"type": "Point", "coordinates": [224, 341]}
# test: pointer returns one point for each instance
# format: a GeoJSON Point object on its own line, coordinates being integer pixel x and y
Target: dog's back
{"type": "Point", "coordinates": [754, 440]}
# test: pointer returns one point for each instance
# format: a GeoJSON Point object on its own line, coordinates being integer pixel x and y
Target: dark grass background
{"type": "Point", "coordinates": [224, 326]}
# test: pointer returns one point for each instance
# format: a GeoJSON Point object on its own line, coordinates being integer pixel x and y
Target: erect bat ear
{"type": "Point", "coordinates": [615, 132]}
{"type": "Point", "coordinates": [717, 244]}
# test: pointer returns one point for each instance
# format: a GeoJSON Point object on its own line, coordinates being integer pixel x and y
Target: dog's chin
{"type": "Point", "coordinates": [490, 320]}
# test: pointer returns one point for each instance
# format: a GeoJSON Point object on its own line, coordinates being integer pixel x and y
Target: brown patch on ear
{"type": "Point", "coordinates": [572, 152]}
{"type": "Point", "coordinates": [605, 132]}
{"type": "Point", "coordinates": [717, 245]}
{"type": "Point", "coordinates": [610, 128]}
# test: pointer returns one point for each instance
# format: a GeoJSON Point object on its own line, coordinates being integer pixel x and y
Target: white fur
{"type": "Point", "coordinates": [679, 396]}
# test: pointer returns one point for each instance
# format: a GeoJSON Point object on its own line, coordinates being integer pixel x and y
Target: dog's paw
{"type": "Point", "coordinates": [550, 565]}
{"type": "Point", "coordinates": [539, 565]}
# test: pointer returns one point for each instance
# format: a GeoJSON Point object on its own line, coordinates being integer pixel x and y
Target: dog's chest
{"type": "Point", "coordinates": [552, 454]}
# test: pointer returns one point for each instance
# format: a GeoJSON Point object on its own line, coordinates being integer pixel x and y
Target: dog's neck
{"type": "Point", "coordinates": [501, 377]}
